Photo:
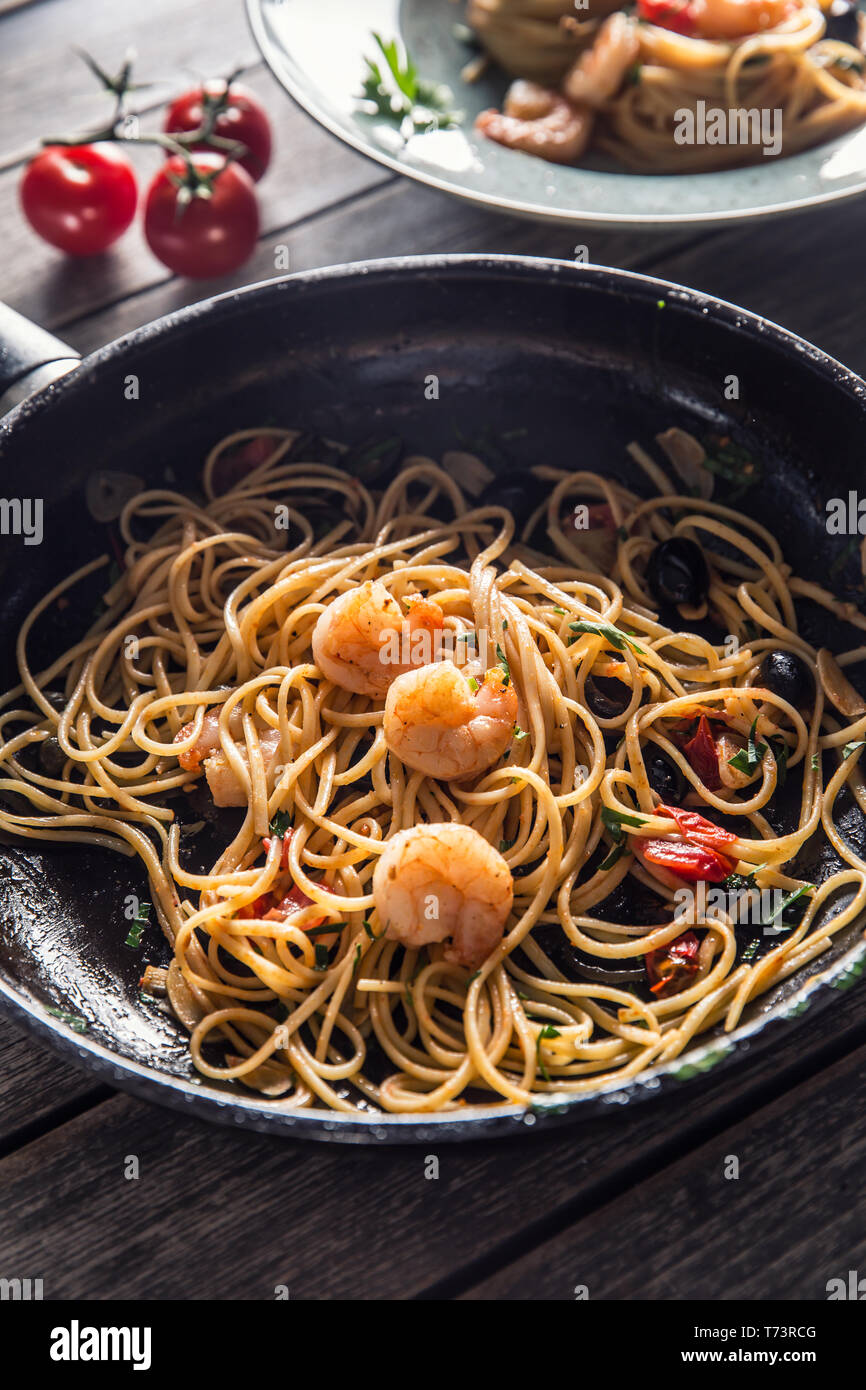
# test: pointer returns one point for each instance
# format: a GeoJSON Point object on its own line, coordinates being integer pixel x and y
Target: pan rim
{"type": "Point", "coordinates": [473, 1121]}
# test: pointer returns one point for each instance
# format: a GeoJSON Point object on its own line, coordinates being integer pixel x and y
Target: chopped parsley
{"type": "Point", "coordinates": [615, 820]}
{"type": "Point", "coordinates": [749, 757]}
{"type": "Point", "coordinates": [610, 633]}
{"type": "Point", "coordinates": [520, 734]}
{"type": "Point", "coordinates": [503, 662]}
{"type": "Point", "coordinates": [139, 922]}
{"type": "Point", "coordinates": [73, 1021]}
{"type": "Point", "coordinates": [853, 746]}
{"type": "Point", "coordinates": [786, 902]}
{"type": "Point", "coordinates": [735, 465]}
{"type": "Point", "coordinates": [615, 855]}
{"type": "Point", "coordinates": [280, 823]}
{"type": "Point", "coordinates": [739, 881]}
{"type": "Point", "coordinates": [547, 1032]}
{"type": "Point", "coordinates": [397, 92]}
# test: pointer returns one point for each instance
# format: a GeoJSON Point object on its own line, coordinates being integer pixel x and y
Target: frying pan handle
{"type": "Point", "coordinates": [29, 358]}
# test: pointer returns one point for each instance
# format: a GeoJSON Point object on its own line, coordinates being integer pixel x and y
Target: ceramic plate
{"type": "Point", "coordinates": [316, 50]}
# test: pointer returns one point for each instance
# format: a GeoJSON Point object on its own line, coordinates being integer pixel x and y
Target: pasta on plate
{"type": "Point", "coordinates": [625, 81]}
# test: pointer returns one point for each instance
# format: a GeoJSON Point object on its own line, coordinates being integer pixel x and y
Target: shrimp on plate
{"type": "Point", "coordinates": [539, 121]}
{"type": "Point", "coordinates": [438, 724]}
{"type": "Point", "coordinates": [600, 70]}
{"type": "Point", "coordinates": [363, 639]}
{"type": "Point", "coordinates": [444, 882]}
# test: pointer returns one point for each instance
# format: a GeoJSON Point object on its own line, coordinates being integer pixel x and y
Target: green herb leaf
{"type": "Point", "coordinates": [852, 747]}
{"type": "Point", "coordinates": [503, 662]}
{"type": "Point", "coordinates": [610, 633]}
{"type": "Point", "coordinates": [750, 756]}
{"type": "Point", "coordinates": [323, 956]}
{"type": "Point", "coordinates": [369, 930]}
{"type": "Point", "coordinates": [520, 734]}
{"type": "Point", "coordinates": [615, 855]}
{"type": "Point", "coordinates": [786, 902]}
{"type": "Point", "coordinates": [739, 881]}
{"type": "Point", "coordinates": [78, 1025]}
{"type": "Point", "coordinates": [399, 93]}
{"type": "Point", "coordinates": [323, 930]}
{"type": "Point", "coordinates": [280, 823]}
{"type": "Point", "coordinates": [816, 762]}
{"type": "Point", "coordinates": [547, 1032]}
{"type": "Point", "coordinates": [615, 820]}
{"type": "Point", "coordinates": [735, 465]}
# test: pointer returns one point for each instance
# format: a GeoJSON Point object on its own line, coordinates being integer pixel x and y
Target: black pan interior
{"type": "Point", "coordinates": [536, 361]}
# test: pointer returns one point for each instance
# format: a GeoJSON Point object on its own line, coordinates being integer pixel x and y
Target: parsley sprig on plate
{"type": "Point", "coordinates": [402, 96]}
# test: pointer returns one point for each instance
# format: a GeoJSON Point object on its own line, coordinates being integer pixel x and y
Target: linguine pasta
{"type": "Point", "coordinates": [282, 966]}
{"type": "Point", "coordinates": [672, 86]}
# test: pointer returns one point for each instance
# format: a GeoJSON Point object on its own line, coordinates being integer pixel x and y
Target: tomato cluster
{"type": "Point", "coordinates": [200, 210]}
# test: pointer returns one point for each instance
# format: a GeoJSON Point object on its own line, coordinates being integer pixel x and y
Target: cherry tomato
{"type": "Point", "coordinates": [670, 967]}
{"type": "Point", "coordinates": [697, 828]}
{"type": "Point", "coordinates": [243, 119]}
{"type": "Point", "coordinates": [702, 755]}
{"type": "Point", "coordinates": [206, 236]}
{"type": "Point", "coordinates": [80, 198]}
{"type": "Point", "coordinates": [677, 15]}
{"type": "Point", "coordinates": [687, 861]}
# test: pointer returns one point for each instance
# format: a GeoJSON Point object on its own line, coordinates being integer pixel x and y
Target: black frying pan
{"type": "Point", "coordinates": [580, 360]}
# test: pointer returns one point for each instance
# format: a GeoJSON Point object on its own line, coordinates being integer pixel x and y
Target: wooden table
{"type": "Point", "coordinates": [633, 1206]}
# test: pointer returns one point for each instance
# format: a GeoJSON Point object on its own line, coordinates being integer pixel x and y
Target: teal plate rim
{"type": "Point", "coordinates": [291, 35]}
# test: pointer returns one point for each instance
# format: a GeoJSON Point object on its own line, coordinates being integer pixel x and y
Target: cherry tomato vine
{"type": "Point", "coordinates": [200, 210]}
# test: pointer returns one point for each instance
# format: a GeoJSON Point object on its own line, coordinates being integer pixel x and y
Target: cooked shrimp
{"type": "Point", "coordinates": [600, 71]}
{"type": "Point", "coordinates": [208, 740]}
{"type": "Point", "coordinates": [363, 639]}
{"type": "Point", "coordinates": [539, 121]}
{"type": "Point", "coordinates": [435, 882]}
{"type": "Point", "coordinates": [225, 787]}
{"type": "Point", "coordinates": [436, 724]}
{"type": "Point", "coordinates": [734, 19]}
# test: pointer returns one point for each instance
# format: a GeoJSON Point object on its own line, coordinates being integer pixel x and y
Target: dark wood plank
{"type": "Point", "coordinates": [801, 272]}
{"type": "Point", "coordinates": [310, 171]}
{"type": "Point", "coordinates": [36, 1088]}
{"type": "Point", "coordinates": [46, 89]}
{"type": "Point", "coordinates": [791, 1221]}
{"type": "Point", "coordinates": [246, 1213]}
